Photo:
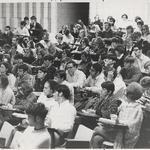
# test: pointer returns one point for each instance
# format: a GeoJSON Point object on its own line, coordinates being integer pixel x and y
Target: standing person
{"type": "Point", "coordinates": [26, 20]}
{"type": "Point", "coordinates": [146, 33]}
{"type": "Point", "coordinates": [36, 30]}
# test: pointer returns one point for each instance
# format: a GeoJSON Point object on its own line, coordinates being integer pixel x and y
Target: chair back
{"type": "Point", "coordinates": [7, 132]}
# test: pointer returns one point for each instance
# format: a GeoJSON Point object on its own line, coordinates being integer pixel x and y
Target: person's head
{"type": "Point", "coordinates": [119, 50]}
{"type": "Point", "coordinates": [22, 69]}
{"type": "Point", "coordinates": [147, 67]}
{"type": "Point", "coordinates": [85, 42]}
{"type": "Point", "coordinates": [40, 54]}
{"type": "Point", "coordinates": [59, 38]}
{"type": "Point", "coordinates": [137, 51]}
{"type": "Point", "coordinates": [18, 58]}
{"type": "Point", "coordinates": [134, 91]}
{"type": "Point", "coordinates": [110, 75]}
{"type": "Point", "coordinates": [39, 46]}
{"type": "Point", "coordinates": [84, 57]}
{"type": "Point", "coordinates": [50, 87]}
{"type": "Point", "coordinates": [66, 32]}
{"type": "Point", "coordinates": [15, 40]}
{"type": "Point", "coordinates": [145, 83]}
{"type": "Point", "coordinates": [71, 67]}
{"type": "Point", "coordinates": [114, 42]}
{"type": "Point", "coordinates": [140, 23]}
{"type": "Point", "coordinates": [145, 29]}
{"type": "Point", "coordinates": [124, 17]}
{"type": "Point", "coordinates": [95, 70]}
{"type": "Point", "coordinates": [22, 24]}
{"type": "Point", "coordinates": [136, 36]}
{"type": "Point", "coordinates": [24, 89]}
{"type": "Point", "coordinates": [112, 21]}
{"type": "Point", "coordinates": [137, 18]}
{"type": "Point", "coordinates": [45, 36]}
{"type": "Point", "coordinates": [5, 68]}
{"type": "Point", "coordinates": [7, 29]}
{"type": "Point", "coordinates": [81, 33]}
{"type": "Point", "coordinates": [33, 19]}
{"type": "Point", "coordinates": [41, 73]}
{"type": "Point", "coordinates": [109, 61]}
{"type": "Point", "coordinates": [107, 26]}
{"type": "Point", "coordinates": [60, 76]}
{"type": "Point", "coordinates": [129, 61]}
{"type": "Point", "coordinates": [36, 114]}
{"type": "Point", "coordinates": [48, 60]}
{"type": "Point", "coordinates": [129, 29]}
{"type": "Point", "coordinates": [108, 88]}
{"type": "Point", "coordinates": [62, 93]}
{"type": "Point", "coordinates": [26, 19]}
{"type": "Point", "coordinates": [4, 81]}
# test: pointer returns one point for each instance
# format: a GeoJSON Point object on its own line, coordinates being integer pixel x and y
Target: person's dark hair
{"type": "Point", "coordinates": [140, 22]}
{"type": "Point", "coordinates": [8, 27]}
{"type": "Point", "coordinates": [22, 23]}
{"type": "Point", "coordinates": [131, 28]}
{"type": "Point", "coordinates": [114, 40]}
{"type": "Point", "coordinates": [4, 81]}
{"type": "Point", "coordinates": [61, 74]}
{"type": "Point", "coordinates": [109, 86]}
{"type": "Point", "coordinates": [108, 24]}
{"type": "Point", "coordinates": [26, 18]}
{"type": "Point", "coordinates": [134, 91]}
{"type": "Point", "coordinates": [53, 85]}
{"type": "Point", "coordinates": [97, 67]}
{"type": "Point", "coordinates": [66, 32]}
{"type": "Point", "coordinates": [137, 18]}
{"type": "Point", "coordinates": [65, 91]}
{"type": "Point", "coordinates": [39, 45]}
{"type": "Point", "coordinates": [129, 59]}
{"type": "Point", "coordinates": [86, 41]}
{"type": "Point", "coordinates": [24, 67]}
{"type": "Point", "coordinates": [33, 18]}
{"type": "Point", "coordinates": [112, 19]}
{"type": "Point", "coordinates": [26, 88]}
{"type": "Point", "coordinates": [37, 109]}
{"type": "Point", "coordinates": [7, 66]}
{"type": "Point", "coordinates": [73, 63]}
{"type": "Point", "coordinates": [49, 57]}
{"type": "Point", "coordinates": [18, 56]}
{"type": "Point", "coordinates": [120, 49]}
{"type": "Point", "coordinates": [125, 16]}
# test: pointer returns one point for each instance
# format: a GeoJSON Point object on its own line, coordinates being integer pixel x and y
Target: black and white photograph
{"type": "Point", "coordinates": [74, 74]}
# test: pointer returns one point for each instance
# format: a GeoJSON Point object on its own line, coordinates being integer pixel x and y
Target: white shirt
{"type": "Point", "coordinates": [140, 62]}
{"type": "Point", "coordinates": [12, 80]}
{"type": "Point", "coordinates": [71, 90]}
{"type": "Point", "coordinates": [24, 31]}
{"type": "Point", "coordinates": [20, 49]}
{"type": "Point", "coordinates": [48, 102]}
{"type": "Point", "coordinates": [33, 139]}
{"type": "Point", "coordinates": [62, 116]}
{"type": "Point", "coordinates": [69, 39]}
{"type": "Point", "coordinates": [94, 85]}
{"type": "Point", "coordinates": [77, 79]}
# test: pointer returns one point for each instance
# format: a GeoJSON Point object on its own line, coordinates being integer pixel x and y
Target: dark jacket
{"type": "Point", "coordinates": [108, 105]}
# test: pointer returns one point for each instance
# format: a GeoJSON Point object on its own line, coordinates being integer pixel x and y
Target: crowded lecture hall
{"type": "Point", "coordinates": [87, 87]}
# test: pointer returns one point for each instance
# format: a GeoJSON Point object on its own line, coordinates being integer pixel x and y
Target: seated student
{"type": "Point", "coordinates": [5, 68]}
{"type": "Point", "coordinates": [145, 83]}
{"type": "Point", "coordinates": [48, 64]}
{"type": "Point", "coordinates": [140, 58]}
{"type": "Point", "coordinates": [23, 75]}
{"type": "Point", "coordinates": [6, 94]}
{"type": "Point", "coordinates": [129, 72]}
{"type": "Point", "coordinates": [35, 135]}
{"type": "Point", "coordinates": [95, 79]}
{"type": "Point", "coordinates": [40, 79]}
{"type": "Point", "coordinates": [46, 96]}
{"type": "Point", "coordinates": [62, 115]}
{"type": "Point", "coordinates": [60, 78]}
{"type": "Point", "coordinates": [116, 79]}
{"type": "Point", "coordinates": [130, 114]}
{"type": "Point", "coordinates": [74, 76]}
{"type": "Point", "coordinates": [24, 96]}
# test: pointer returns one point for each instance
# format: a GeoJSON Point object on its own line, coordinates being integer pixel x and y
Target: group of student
{"type": "Point", "coordinates": [110, 64]}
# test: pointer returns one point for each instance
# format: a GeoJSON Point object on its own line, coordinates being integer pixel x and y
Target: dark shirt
{"type": "Point", "coordinates": [50, 72]}
{"type": "Point", "coordinates": [108, 105]}
{"type": "Point", "coordinates": [107, 34]}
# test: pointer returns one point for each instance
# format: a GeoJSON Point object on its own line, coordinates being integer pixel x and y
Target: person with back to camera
{"type": "Point", "coordinates": [35, 135]}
